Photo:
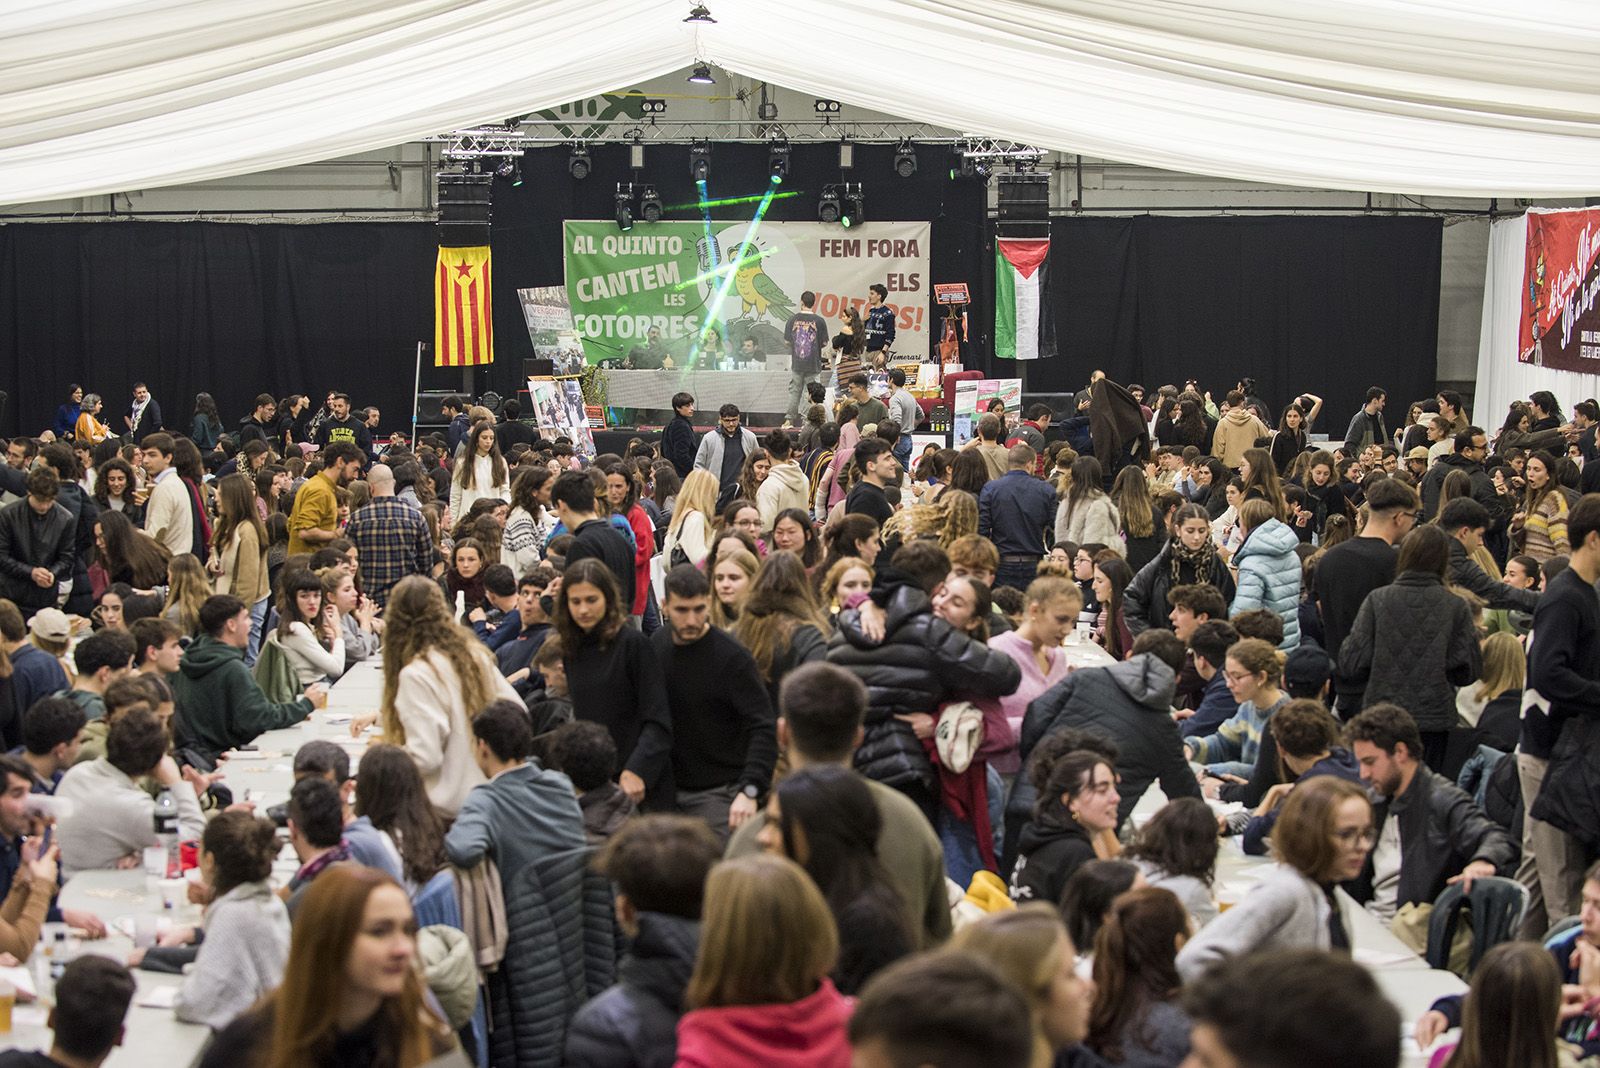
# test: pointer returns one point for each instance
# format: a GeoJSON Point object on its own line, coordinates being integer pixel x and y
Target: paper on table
{"type": "Point", "coordinates": [1378, 958]}
{"type": "Point", "coordinates": [158, 997]}
{"type": "Point", "coordinates": [253, 754]}
{"type": "Point", "coordinates": [337, 717]}
{"type": "Point", "coordinates": [22, 979]}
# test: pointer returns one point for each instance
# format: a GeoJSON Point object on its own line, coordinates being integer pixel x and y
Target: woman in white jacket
{"type": "Point", "coordinates": [436, 677]}
{"type": "Point", "coordinates": [692, 520]}
{"type": "Point", "coordinates": [308, 629]}
{"type": "Point", "coordinates": [1087, 515]}
{"type": "Point", "coordinates": [480, 471]}
{"type": "Point", "coordinates": [1321, 839]}
{"type": "Point", "coordinates": [247, 927]}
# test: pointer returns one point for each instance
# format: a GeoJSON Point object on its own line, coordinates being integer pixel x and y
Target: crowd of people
{"type": "Point", "coordinates": [814, 728]}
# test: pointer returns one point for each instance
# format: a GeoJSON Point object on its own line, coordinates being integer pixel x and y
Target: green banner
{"type": "Point", "coordinates": [692, 292]}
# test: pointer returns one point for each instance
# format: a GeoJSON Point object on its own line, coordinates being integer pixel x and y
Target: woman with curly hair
{"type": "Point", "coordinates": [113, 489]}
{"type": "Point", "coordinates": [436, 677]}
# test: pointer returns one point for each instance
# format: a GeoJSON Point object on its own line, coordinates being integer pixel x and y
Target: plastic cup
{"type": "Point", "coordinates": [145, 929]}
{"type": "Point", "coordinates": [8, 1001]}
{"type": "Point", "coordinates": [174, 893]}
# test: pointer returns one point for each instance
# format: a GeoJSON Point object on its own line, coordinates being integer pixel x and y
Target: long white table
{"type": "Point", "coordinates": [753, 391]}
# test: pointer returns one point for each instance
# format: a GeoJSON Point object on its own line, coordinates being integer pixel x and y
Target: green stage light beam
{"type": "Point", "coordinates": [732, 269]}
{"type": "Point", "coordinates": [729, 201]}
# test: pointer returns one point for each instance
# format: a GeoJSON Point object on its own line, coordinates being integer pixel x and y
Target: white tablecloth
{"type": "Point", "coordinates": [753, 391]}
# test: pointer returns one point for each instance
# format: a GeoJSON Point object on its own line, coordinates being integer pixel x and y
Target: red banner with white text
{"type": "Point", "coordinates": [1561, 291]}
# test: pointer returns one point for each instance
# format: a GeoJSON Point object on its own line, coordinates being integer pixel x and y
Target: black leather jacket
{"type": "Point", "coordinates": [25, 545]}
{"type": "Point", "coordinates": [921, 663]}
{"type": "Point", "coordinates": [1441, 832]}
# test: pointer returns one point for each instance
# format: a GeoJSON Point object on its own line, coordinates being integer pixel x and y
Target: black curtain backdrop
{"type": "Point", "coordinates": [1328, 304]}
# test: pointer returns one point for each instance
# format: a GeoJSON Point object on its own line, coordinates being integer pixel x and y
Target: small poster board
{"type": "Point", "coordinates": [951, 293]}
{"type": "Point", "coordinates": [973, 398]}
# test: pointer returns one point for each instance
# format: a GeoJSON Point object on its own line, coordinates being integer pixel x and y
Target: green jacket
{"type": "Point", "coordinates": [220, 707]}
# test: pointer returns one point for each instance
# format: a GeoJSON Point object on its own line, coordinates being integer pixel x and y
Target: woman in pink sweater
{"type": "Point", "coordinates": [1050, 608]}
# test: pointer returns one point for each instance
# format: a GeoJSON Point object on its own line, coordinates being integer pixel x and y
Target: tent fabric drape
{"type": "Point", "coordinates": [1501, 378]}
{"type": "Point", "coordinates": [1442, 97]}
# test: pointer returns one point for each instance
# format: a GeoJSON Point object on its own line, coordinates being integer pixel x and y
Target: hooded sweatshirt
{"type": "Point", "coordinates": [1237, 430]}
{"type": "Point", "coordinates": [1131, 704]}
{"type": "Point", "coordinates": [809, 1033]}
{"type": "Point", "coordinates": [786, 486]}
{"type": "Point", "coordinates": [635, 1022]}
{"type": "Point", "coordinates": [1049, 851]}
{"type": "Point", "coordinates": [220, 707]}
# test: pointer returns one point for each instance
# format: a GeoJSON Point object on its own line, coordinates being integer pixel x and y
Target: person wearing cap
{"type": "Point", "coordinates": [1417, 462]}
{"type": "Point", "coordinates": [37, 546]}
{"type": "Point", "coordinates": [35, 673]}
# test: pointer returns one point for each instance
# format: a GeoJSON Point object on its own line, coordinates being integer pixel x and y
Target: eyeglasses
{"type": "Point", "coordinates": [1364, 836]}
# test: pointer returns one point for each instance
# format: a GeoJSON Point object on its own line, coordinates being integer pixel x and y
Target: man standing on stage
{"type": "Point", "coordinates": [879, 324]}
{"type": "Point", "coordinates": [805, 333]}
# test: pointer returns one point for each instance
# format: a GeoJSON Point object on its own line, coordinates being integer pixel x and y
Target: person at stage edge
{"type": "Point", "coordinates": [805, 334]}
{"type": "Point", "coordinates": [880, 320]}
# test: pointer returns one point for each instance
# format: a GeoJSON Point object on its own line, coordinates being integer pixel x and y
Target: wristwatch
{"type": "Point", "coordinates": [751, 791]}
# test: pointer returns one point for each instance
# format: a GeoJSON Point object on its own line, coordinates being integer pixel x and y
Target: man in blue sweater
{"type": "Point", "coordinates": [1014, 512]}
{"type": "Point", "coordinates": [523, 812]}
{"type": "Point", "coordinates": [880, 321]}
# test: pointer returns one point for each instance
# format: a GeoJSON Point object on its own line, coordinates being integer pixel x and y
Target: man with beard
{"type": "Point", "coordinates": [724, 739]}
{"type": "Point", "coordinates": [315, 519]}
{"type": "Point", "coordinates": [341, 426]}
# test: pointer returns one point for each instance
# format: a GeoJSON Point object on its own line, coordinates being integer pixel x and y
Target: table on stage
{"type": "Point", "coordinates": [765, 391]}
{"type": "Point", "coordinates": [154, 1037]}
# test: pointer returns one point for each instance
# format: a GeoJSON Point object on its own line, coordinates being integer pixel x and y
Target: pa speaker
{"type": "Point", "coordinates": [428, 411]}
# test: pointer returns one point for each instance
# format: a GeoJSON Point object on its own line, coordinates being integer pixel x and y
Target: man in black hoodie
{"type": "Point", "coordinates": [677, 437]}
{"type": "Point", "coordinates": [912, 662]}
{"type": "Point", "coordinates": [659, 865]}
{"type": "Point", "coordinates": [342, 426]}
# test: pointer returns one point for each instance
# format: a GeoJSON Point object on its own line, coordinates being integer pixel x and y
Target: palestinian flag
{"type": "Point", "coordinates": [1024, 328]}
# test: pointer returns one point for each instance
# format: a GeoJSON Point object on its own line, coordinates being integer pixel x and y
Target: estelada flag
{"type": "Point", "coordinates": [463, 327]}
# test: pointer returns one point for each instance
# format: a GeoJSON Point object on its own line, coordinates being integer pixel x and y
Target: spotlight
{"type": "Point", "coordinates": [905, 160]}
{"type": "Point", "coordinates": [649, 204]}
{"type": "Point", "coordinates": [636, 156]}
{"type": "Point", "coordinates": [855, 211]}
{"type": "Point", "coordinates": [700, 161]}
{"type": "Point", "coordinates": [828, 206]}
{"type": "Point", "coordinates": [778, 161]}
{"type": "Point", "coordinates": [960, 162]}
{"type": "Point", "coordinates": [847, 155]}
{"type": "Point", "coordinates": [504, 168]}
{"type": "Point", "coordinates": [827, 107]}
{"type": "Point", "coordinates": [624, 208]}
{"type": "Point", "coordinates": [653, 107]}
{"type": "Point", "coordinates": [699, 13]}
{"type": "Point", "coordinates": [701, 75]}
{"type": "Point", "coordinates": [578, 163]}
{"type": "Point", "coordinates": [516, 172]}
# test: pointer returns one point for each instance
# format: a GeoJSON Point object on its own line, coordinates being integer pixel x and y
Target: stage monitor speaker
{"type": "Point", "coordinates": [537, 368]}
{"type": "Point", "coordinates": [428, 411]}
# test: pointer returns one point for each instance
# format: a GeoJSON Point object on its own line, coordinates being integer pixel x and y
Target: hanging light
{"type": "Point", "coordinates": [624, 207]}
{"type": "Point", "coordinates": [650, 204]}
{"type": "Point", "coordinates": [778, 160]}
{"type": "Point", "coordinates": [504, 168]}
{"type": "Point", "coordinates": [700, 161]}
{"type": "Point", "coordinates": [828, 206]}
{"type": "Point", "coordinates": [855, 206]}
{"type": "Point", "coordinates": [701, 75]}
{"type": "Point", "coordinates": [699, 13]}
{"type": "Point", "coordinates": [905, 160]}
{"type": "Point", "coordinates": [578, 163]}
{"type": "Point", "coordinates": [516, 172]}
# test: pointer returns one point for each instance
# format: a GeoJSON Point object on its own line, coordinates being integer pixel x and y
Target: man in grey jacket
{"type": "Point", "coordinates": [722, 452]}
{"type": "Point", "coordinates": [523, 812]}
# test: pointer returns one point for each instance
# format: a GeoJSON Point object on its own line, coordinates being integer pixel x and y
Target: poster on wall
{"type": "Point", "coordinates": [550, 328]}
{"type": "Point", "coordinates": [679, 293]}
{"type": "Point", "coordinates": [973, 398]}
{"type": "Point", "coordinates": [558, 411]}
{"type": "Point", "coordinates": [1561, 291]}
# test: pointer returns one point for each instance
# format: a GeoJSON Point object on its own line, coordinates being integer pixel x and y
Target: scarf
{"type": "Point", "coordinates": [1201, 561]}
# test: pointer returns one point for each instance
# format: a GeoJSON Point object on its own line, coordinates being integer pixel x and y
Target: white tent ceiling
{"type": "Point", "coordinates": [1440, 97]}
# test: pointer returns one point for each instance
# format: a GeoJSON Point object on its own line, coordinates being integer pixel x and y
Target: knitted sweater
{"type": "Point", "coordinates": [241, 959]}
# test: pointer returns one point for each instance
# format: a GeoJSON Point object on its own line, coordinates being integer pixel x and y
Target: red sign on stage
{"type": "Point", "coordinates": [1561, 291]}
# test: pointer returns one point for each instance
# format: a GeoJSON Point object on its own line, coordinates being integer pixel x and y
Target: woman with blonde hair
{"type": "Point", "coordinates": [845, 577]}
{"type": "Point", "coordinates": [688, 538]}
{"type": "Point", "coordinates": [1143, 531]}
{"type": "Point", "coordinates": [1029, 945]}
{"type": "Point", "coordinates": [351, 993]}
{"type": "Point", "coordinates": [187, 589]}
{"type": "Point", "coordinates": [760, 992]}
{"type": "Point", "coordinates": [1492, 705]}
{"type": "Point", "coordinates": [732, 571]}
{"type": "Point", "coordinates": [1261, 480]}
{"type": "Point", "coordinates": [436, 677]}
{"type": "Point", "coordinates": [953, 515]}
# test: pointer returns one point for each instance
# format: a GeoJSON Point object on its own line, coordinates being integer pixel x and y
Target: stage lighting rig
{"type": "Point", "coordinates": [578, 163]}
{"type": "Point", "coordinates": [700, 161]}
{"type": "Point", "coordinates": [905, 160]}
{"type": "Point", "coordinates": [828, 206]}
{"type": "Point", "coordinates": [504, 168]}
{"type": "Point", "coordinates": [624, 200]}
{"type": "Point", "coordinates": [649, 204]}
{"type": "Point", "coordinates": [701, 75]}
{"type": "Point", "coordinates": [778, 160]}
{"type": "Point", "coordinates": [854, 206]}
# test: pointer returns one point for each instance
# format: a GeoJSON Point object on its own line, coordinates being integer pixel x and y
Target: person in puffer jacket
{"type": "Point", "coordinates": [920, 663]}
{"type": "Point", "coordinates": [1269, 569]}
